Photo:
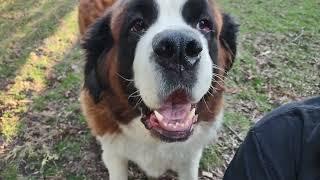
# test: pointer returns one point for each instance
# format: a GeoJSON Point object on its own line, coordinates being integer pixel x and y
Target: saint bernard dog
{"type": "Point", "coordinates": [153, 86]}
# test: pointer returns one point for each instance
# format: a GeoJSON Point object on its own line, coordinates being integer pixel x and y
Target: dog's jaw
{"type": "Point", "coordinates": [184, 157]}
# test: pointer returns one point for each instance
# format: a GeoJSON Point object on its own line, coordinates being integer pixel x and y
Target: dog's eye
{"type": "Point", "coordinates": [205, 25]}
{"type": "Point", "coordinates": [138, 26]}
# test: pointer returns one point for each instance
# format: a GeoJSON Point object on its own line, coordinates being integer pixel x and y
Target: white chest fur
{"type": "Point", "coordinates": [154, 156]}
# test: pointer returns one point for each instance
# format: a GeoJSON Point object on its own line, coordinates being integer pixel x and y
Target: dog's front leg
{"type": "Point", "coordinates": [117, 166]}
{"type": "Point", "coordinates": [189, 169]}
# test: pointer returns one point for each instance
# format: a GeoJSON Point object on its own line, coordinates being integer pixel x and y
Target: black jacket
{"type": "Point", "coordinates": [284, 145]}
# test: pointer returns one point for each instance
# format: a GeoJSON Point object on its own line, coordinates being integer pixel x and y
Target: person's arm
{"type": "Point", "coordinates": [248, 163]}
{"type": "Point", "coordinates": [284, 145]}
{"type": "Point", "coordinates": [271, 150]}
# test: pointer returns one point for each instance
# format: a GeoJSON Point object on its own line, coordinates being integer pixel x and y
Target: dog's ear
{"type": "Point", "coordinates": [97, 42]}
{"type": "Point", "coordinates": [228, 39]}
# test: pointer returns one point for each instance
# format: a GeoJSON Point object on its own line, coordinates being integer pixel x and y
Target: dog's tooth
{"type": "Point", "coordinates": [191, 114]}
{"type": "Point", "coordinates": [158, 115]}
{"type": "Point", "coordinates": [193, 111]}
{"type": "Point", "coordinates": [165, 124]}
{"type": "Point", "coordinates": [195, 118]}
{"type": "Point", "coordinates": [192, 127]}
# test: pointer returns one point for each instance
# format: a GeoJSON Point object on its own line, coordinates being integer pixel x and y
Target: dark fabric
{"type": "Point", "coordinates": [284, 145]}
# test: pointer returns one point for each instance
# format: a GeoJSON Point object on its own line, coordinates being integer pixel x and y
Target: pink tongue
{"type": "Point", "coordinates": [174, 112]}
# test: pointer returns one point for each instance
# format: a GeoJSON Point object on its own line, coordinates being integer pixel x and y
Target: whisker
{"type": "Point", "coordinates": [215, 90]}
{"type": "Point", "coordinates": [137, 34]}
{"type": "Point", "coordinates": [218, 68]}
{"type": "Point", "coordinates": [210, 93]}
{"type": "Point", "coordinates": [206, 105]}
{"type": "Point", "coordinates": [130, 83]}
{"type": "Point", "coordinates": [138, 103]}
{"type": "Point", "coordinates": [222, 80]}
{"type": "Point", "coordinates": [222, 77]}
{"type": "Point", "coordinates": [218, 83]}
{"type": "Point", "coordinates": [129, 80]}
{"type": "Point", "coordinates": [228, 47]}
{"type": "Point", "coordinates": [133, 94]}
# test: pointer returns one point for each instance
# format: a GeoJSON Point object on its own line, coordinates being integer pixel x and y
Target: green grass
{"type": "Point", "coordinates": [288, 30]}
{"type": "Point", "coordinates": [40, 78]}
{"type": "Point", "coordinates": [31, 40]}
{"type": "Point", "coordinates": [275, 15]}
{"type": "Point", "coordinates": [9, 173]}
{"type": "Point", "coordinates": [210, 158]}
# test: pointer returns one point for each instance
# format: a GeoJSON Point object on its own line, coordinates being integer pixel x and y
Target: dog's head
{"type": "Point", "coordinates": [164, 58]}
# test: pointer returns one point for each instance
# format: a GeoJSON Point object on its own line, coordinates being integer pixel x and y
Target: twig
{"type": "Point", "coordinates": [208, 175]}
{"type": "Point", "coordinates": [299, 36]}
{"type": "Point", "coordinates": [234, 132]}
{"type": "Point", "coordinates": [216, 174]}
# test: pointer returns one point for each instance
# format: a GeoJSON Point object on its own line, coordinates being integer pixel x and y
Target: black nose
{"type": "Point", "coordinates": [177, 50]}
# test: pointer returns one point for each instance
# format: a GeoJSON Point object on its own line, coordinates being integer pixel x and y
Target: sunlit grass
{"type": "Point", "coordinates": [32, 76]}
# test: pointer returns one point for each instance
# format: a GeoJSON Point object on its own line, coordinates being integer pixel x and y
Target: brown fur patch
{"type": "Point", "coordinates": [105, 116]}
{"type": "Point", "coordinates": [210, 107]}
{"type": "Point", "coordinates": [90, 10]}
{"type": "Point", "coordinates": [217, 15]}
{"type": "Point", "coordinates": [98, 116]}
{"type": "Point", "coordinates": [209, 110]}
{"type": "Point", "coordinates": [117, 20]}
{"type": "Point", "coordinates": [113, 108]}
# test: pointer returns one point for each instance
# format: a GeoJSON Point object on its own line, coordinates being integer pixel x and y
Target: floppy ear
{"type": "Point", "coordinates": [97, 43]}
{"type": "Point", "coordinates": [228, 39]}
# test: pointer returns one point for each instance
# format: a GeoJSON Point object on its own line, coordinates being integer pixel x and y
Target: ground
{"type": "Point", "coordinates": [42, 132]}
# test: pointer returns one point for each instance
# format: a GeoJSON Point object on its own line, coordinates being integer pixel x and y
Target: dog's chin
{"type": "Point", "coordinates": [174, 120]}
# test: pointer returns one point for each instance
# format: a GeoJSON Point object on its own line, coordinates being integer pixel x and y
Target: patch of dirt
{"type": "Point", "coordinates": [275, 63]}
{"type": "Point", "coordinates": [5, 84]}
{"type": "Point", "coordinates": [227, 144]}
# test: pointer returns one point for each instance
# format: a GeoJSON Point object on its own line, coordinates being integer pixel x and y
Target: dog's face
{"type": "Point", "coordinates": [164, 57]}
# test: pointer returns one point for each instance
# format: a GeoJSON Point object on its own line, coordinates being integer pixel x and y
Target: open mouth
{"type": "Point", "coordinates": [174, 120]}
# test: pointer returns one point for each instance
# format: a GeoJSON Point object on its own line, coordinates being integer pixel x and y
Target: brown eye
{"type": "Point", "coordinates": [138, 26]}
{"type": "Point", "coordinates": [205, 25]}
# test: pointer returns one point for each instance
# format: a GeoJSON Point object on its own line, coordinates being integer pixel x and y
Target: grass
{"type": "Point", "coordinates": [278, 60]}
{"type": "Point", "coordinates": [30, 52]}
{"type": "Point", "coordinates": [40, 76]}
